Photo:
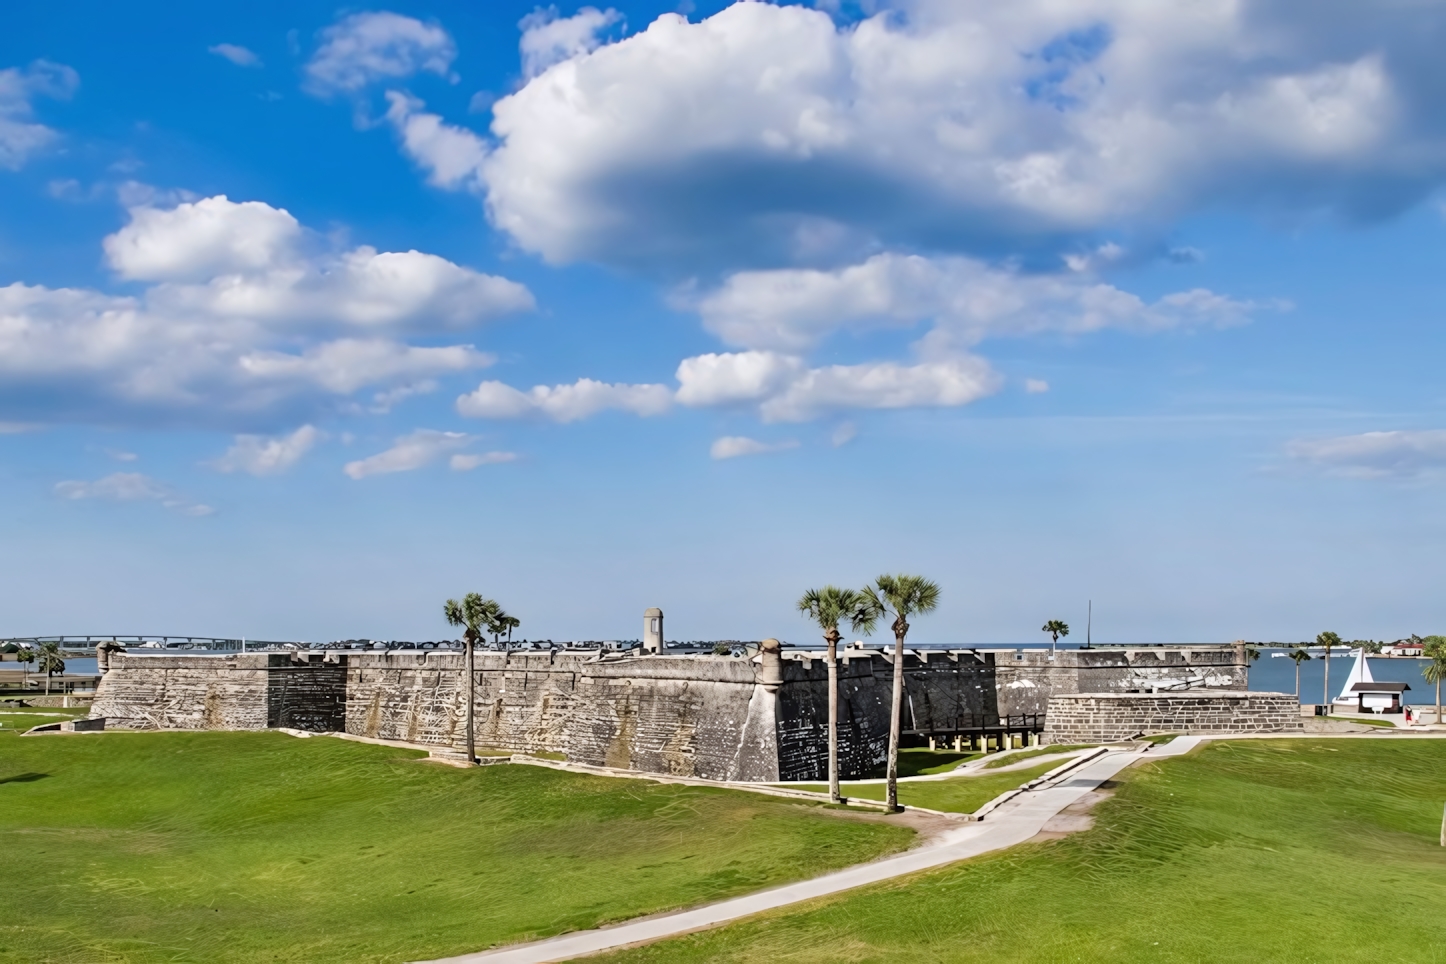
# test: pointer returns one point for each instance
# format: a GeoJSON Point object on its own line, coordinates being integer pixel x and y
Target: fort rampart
{"type": "Point", "coordinates": [1108, 717]}
{"type": "Point", "coordinates": [717, 717]}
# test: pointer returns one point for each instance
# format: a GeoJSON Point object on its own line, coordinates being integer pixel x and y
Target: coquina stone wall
{"type": "Point", "coordinates": [1028, 678]}
{"type": "Point", "coordinates": [241, 692]}
{"type": "Point", "coordinates": [1108, 717]}
{"type": "Point", "coordinates": [716, 717]}
{"type": "Point", "coordinates": [708, 716]}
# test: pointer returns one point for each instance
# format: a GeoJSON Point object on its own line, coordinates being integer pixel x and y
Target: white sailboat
{"type": "Point", "coordinates": [1360, 673]}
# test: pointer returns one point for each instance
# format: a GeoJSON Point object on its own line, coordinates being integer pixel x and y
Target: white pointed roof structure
{"type": "Point", "coordinates": [1360, 673]}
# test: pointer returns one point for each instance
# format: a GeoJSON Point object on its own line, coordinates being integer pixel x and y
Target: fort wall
{"type": "Point", "coordinates": [1028, 678]}
{"type": "Point", "coordinates": [716, 717]}
{"type": "Point", "coordinates": [1109, 717]}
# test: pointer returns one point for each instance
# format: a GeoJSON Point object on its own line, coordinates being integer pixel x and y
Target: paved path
{"type": "Point", "coordinates": [1013, 823]}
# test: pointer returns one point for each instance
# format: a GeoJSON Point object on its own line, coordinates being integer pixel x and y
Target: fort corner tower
{"type": "Point", "coordinates": [653, 630]}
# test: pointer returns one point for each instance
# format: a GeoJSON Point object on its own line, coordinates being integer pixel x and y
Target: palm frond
{"type": "Point", "coordinates": [831, 605]}
{"type": "Point", "coordinates": [906, 595]}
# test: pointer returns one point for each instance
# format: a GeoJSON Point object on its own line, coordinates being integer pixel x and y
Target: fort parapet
{"type": "Point", "coordinates": [1109, 717]}
{"type": "Point", "coordinates": [716, 717]}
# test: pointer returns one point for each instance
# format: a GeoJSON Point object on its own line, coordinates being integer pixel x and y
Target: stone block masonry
{"type": "Point", "coordinates": [715, 717]}
{"type": "Point", "coordinates": [1109, 717]}
{"type": "Point", "coordinates": [241, 692]}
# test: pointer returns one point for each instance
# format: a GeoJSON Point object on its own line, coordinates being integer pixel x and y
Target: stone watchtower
{"type": "Point", "coordinates": [653, 631]}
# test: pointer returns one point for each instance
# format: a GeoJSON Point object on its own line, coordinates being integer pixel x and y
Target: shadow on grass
{"type": "Point", "coordinates": [918, 761]}
{"type": "Point", "coordinates": [24, 778]}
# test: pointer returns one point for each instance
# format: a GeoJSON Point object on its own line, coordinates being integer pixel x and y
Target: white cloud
{"type": "Point", "coordinates": [794, 309]}
{"type": "Point", "coordinates": [20, 136]}
{"type": "Point", "coordinates": [212, 236]}
{"type": "Point", "coordinates": [835, 388]}
{"type": "Point", "coordinates": [345, 365]}
{"type": "Point", "coordinates": [732, 446]}
{"type": "Point", "coordinates": [368, 47]}
{"type": "Point", "coordinates": [247, 314]}
{"type": "Point", "coordinates": [466, 463]}
{"type": "Point", "coordinates": [784, 389]}
{"type": "Point", "coordinates": [1036, 386]}
{"type": "Point", "coordinates": [768, 133]}
{"type": "Point", "coordinates": [259, 455]}
{"type": "Point", "coordinates": [131, 487]}
{"type": "Point", "coordinates": [383, 402]}
{"type": "Point", "coordinates": [733, 377]}
{"type": "Point", "coordinates": [1375, 454]}
{"type": "Point", "coordinates": [564, 403]}
{"type": "Point", "coordinates": [249, 260]}
{"type": "Point", "coordinates": [451, 156]}
{"type": "Point", "coordinates": [549, 39]}
{"type": "Point", "coordinates": [409, 452]}
{"type": "Point", "coordinates": [238, 55]}
{"type": "Point", "coordinates": [844, 434]}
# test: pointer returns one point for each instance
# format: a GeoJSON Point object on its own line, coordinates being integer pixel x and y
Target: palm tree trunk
{"type": "Point", "coordinates": [892, 796]}
{"type": "Point", "coordinates": [833, 791]}
{"type": "Point", "coordinates": [1297, 681]}
{"type": "Point", "coordinates": [471, 668]}
{"type": "Point", "coordinates": [1326, 699]}
{"type": "Point", "coordinates": [1438, 701]}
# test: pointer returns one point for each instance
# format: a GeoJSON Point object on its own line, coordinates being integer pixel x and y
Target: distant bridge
{"type": "Point", "coordinates": [207, 643]}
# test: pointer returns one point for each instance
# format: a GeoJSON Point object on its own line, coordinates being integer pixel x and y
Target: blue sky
{"type": "Point", "coordinates": [311, 317]}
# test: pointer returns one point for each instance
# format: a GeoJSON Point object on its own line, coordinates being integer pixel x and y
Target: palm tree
{"type": "Point", "coordinates": [510, 623]}
{"type": "Point", "coordinates": [828, 607]}
{"type": "Point", "coordinates": [1056, 628]}
{"type": "Point", "coordinates": [903, 596]}
{"type": "Point", "coordinates": [1435, 671]}
{"type": "Point", "coordinates": [26, 656]}
{"type": "Point", "coordinates": [497, 623]}
{"type": "Point", "coordinates": [1327, 639]}
{"type": "Point", "coordinates": [1300, 654]}
{"type": "Point", "coordinates": [472, 612]}
{"type": "Point", "coordinates": [50, 662]}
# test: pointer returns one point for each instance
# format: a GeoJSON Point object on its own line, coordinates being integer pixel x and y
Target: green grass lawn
{"type": "Point", "coordinates": [1364, 721]}
{"type": "Point", "coordinates": [18, 720]}
{"type": "Point", "coordinates": [259, 846]}
{"type": "Point", "coordinates": [1280, 851]}
{"type": "Point", "coordinates": [958, 795]}
{"type": "Point", "coordinates": [1020, 757]}
{"type": "Point", "coordinates": [918, 761]}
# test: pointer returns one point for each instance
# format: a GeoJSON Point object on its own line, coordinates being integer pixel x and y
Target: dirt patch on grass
{"type": "Point", "coordinates": [1076, 817]}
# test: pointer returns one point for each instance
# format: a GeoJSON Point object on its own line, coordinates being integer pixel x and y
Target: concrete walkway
{"type": "Point", "coordinates": [1011, 824]}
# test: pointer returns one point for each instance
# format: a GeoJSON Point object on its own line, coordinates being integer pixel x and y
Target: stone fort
{"type": "Point", "coordinates": [740, 718]}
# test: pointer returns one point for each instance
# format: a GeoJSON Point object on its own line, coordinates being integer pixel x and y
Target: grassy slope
{"type": "Point", "coordinates": [958, 795]}
{"type": "Point", "coordinates": [1286, 850]}
{"type": "Point", "coordinates": [918, 761]}
{"type": "Point", "coordinates": [1021, 755]}
{"type": "Point", "coordinates": [252, 846]}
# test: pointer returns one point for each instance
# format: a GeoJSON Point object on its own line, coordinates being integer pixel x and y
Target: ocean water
{"type": "Point", "coordinates": [1277, 674]}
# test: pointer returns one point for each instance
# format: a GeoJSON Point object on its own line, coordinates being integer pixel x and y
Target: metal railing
{"type": "Point", "coordinates": [983, 723]}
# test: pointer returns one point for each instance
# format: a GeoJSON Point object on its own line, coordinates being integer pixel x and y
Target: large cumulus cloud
{"type": "Point", "coordinates": [770, 134]}
{"type": "Point", "coordinates": [247, 318]}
